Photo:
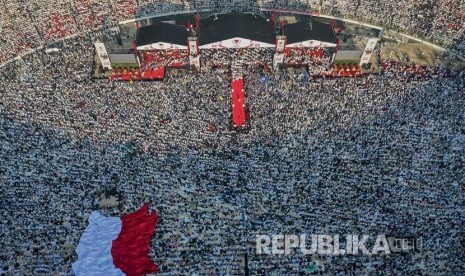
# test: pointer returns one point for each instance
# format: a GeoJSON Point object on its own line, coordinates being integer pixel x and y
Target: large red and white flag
{"type": "Point", "coordinates": [113, 246]}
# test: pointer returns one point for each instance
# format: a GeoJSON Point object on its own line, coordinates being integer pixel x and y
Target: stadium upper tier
{"type": "Point", "coordinates": [25, 25]}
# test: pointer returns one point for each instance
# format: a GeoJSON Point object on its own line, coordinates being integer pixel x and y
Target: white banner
{"type": "Point", "coordinates": [52, 50]}
{"type": "Point", "coordinates": [368, 50]}
{"type": "Point", "coordinates": [161, 46]}
{"type": "Point", "coordinates": [193, 51]}
{"type": "Point", "coordinates": [103, 55]}
{"type": "Point", "coordinates": [237, 43]}
{"type": "Point", "coordinates": [311, 44]}
{"type": "Point", "coordinates": [278, 59]}
{"type": "Point", "coordinates": [194, 61]}
{"type": "Point", "coordinates": [280, 44]}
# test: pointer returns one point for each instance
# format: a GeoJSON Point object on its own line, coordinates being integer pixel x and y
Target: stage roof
{"type": "Point", "coordinates": [301, 31]}
{"type": "Point", "coordinates": [122, 58]}
{"type": "Point", "coordinates": [162, 33]}
{"type": "Point", "coordinates": [235, 30]}
{"type": "Point", "coordinates": [231, 25]}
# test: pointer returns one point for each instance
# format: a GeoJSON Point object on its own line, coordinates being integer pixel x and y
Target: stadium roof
{"type": "Point", "coordinates": [301, 31]}
{"type": "Point", "coordinates": [227, 26]}
{"type": "Point", "coordinates": [162, 33]}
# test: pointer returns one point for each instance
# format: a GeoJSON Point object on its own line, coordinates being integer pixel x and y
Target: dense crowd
{"type": "Point", "coordinates": [374, 155]}
{"type": "Point", "coordinates": [26, 25]}
{"type": "Point", "coordinates": [441, 22]}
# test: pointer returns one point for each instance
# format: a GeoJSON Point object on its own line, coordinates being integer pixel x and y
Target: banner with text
{"type": "Point", "coordinates": [103, 55]}
{"type": "Point", "coordinates": [368, 50]}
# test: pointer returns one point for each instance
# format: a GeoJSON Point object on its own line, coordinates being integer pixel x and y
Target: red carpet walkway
{"type": "Point", "coordinates": [238, 103]}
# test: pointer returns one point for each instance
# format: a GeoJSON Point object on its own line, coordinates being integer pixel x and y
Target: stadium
{"type": "Point", "coordinates": [243, 137]}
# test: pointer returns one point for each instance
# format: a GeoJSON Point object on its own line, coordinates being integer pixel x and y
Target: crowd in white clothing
{"type": "Point", "coordinates": [379, 155]}
{"type": "Point", "coordinates": [383, 154]}
{"type": "Point", "coordinates": [441, 22]}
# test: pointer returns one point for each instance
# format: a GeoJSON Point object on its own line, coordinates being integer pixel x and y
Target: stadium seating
{"type": "Point", "coordinates": [26, 25]}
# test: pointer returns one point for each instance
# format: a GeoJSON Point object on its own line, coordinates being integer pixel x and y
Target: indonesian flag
{"type": "Point", "coordinates": [112, 246]}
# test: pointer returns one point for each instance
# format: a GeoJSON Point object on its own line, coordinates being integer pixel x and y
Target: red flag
{"type": "Point", "coordinates": [130, 250]}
